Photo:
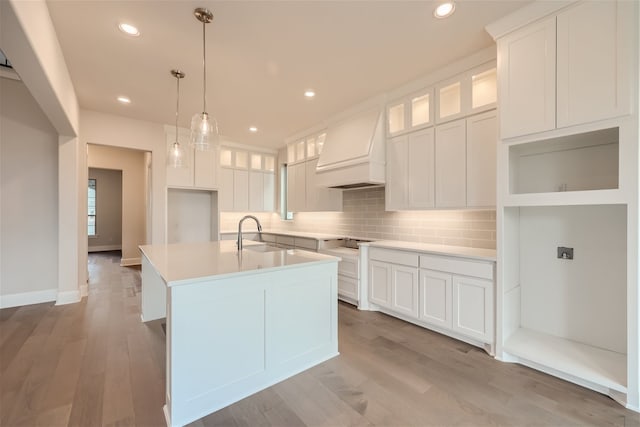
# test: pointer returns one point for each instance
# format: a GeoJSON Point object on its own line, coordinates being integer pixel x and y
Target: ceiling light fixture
{"type": "Point", "coordinates": [129, 29]}
{"type": "Point", "coordinates": [444, 10]}
{"type": "Point", "coordinates": [176, 155]}
{"type": "Point", "coordinates": [309, 93]}
{"type": "Point", "coordinates": [204, 129]}
{"type": "Point", "coordinates": [253, 129]}
{"type": "Point", "coordinates": [124, 100]}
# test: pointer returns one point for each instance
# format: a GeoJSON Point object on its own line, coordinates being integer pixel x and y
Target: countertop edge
{"type": "Point", "coordinates": [428, 248]}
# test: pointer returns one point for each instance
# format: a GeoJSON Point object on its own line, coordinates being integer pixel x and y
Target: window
{"type": "Point", "coordinates": [91, 203]}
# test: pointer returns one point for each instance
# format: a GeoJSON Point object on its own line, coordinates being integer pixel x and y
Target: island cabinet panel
{"type": "Point", "coordinates": [231, 336]}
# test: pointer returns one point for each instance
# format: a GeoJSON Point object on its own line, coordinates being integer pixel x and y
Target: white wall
{"type": "Point", "coordinates": [108, 210]}
{"type": "Point", "coordinates": [28, 199]}
{"type": "Point", "coordinates": [581, 299]}
{"type": "Point", "coordinates": [133, 166]}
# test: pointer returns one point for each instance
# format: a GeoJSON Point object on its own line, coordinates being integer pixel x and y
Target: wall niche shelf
{"type": "Point", "coordinates": [580, 162]}
{"type": "Point", "coordinates": [580, 362]}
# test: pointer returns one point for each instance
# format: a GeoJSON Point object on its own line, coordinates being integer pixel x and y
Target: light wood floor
{"type": "Point", "coordinates": [94, 363]}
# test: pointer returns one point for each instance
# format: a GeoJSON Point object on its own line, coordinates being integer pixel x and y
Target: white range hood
{"type": "Point", "coordinates": [353, 155]}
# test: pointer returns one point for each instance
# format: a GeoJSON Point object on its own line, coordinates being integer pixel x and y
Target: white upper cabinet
{"type": "Point", "coordinates": [450, 162]}
{"type": "Point", "coordinates": [246, 181]}
{"type": "Point", "coordinates": [594, 55]}
{"type": "Point", "coordinates": [201, 171]}
{"type": "Point", "coordinates": [482, 143]}
{"type": "Point", "coordinates": [319, 198]}
{"type": "Point", "coordinates": [410, 171]}
{"type": "Point", "coordinates": [527, 69]}
{"type": "Point", "coordinates": [589, 81]}
{"type": "Point", "coordinates": [410, 113]}
{"type": "Point", "coordinates": [468, 93]}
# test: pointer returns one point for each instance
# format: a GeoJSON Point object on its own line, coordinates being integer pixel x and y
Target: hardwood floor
{"type": "Point", "coordinates": [95, 364]}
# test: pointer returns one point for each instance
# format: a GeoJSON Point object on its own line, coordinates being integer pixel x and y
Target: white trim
{"type": "Point", "coordinates": [526, 15]}
{"type": "Point", "coordinates": [68, 297]}
{"type": "Point", "coordinates": [84, 291]}
{"type": "Point", "coordinates": [126, 262]}
{"type": "Point", "coordinates": [102, 248]}
{"type": "Point", "coordinates": [28, 298]}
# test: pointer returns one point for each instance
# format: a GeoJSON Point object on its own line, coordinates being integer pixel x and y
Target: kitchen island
{"type": "Point", "coordinates": [236, 322]}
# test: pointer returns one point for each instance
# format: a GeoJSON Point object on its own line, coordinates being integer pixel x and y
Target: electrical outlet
{"type": "Point", "coordinates": [565, 253]}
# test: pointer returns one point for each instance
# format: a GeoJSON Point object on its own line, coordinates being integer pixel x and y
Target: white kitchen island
{"type": "Point", "coordinates": [237, 322]}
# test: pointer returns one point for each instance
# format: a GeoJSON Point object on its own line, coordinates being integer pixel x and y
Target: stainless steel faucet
{"type": "Point", "coordinates": [239, 242]}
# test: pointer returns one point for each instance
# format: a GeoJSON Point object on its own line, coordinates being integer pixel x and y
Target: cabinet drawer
{"type": "Point", "coordinates": [394, 257]}
{"type": "Point", "coordinates": [483, 270]}
{"type": "Point", "coordinates": [348, 287]}
{"type": "Point", "coordinates": [285, 240]}
{"type": "Point", "coordinates": [348, 267]}
{"type": "Point", "coordinates": [301, 242]}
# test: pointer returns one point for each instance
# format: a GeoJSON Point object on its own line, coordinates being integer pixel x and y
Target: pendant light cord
{"type": "Point", "coordinates": [204, 67]}
{"type": "Point", "coordinates": [177, 104]}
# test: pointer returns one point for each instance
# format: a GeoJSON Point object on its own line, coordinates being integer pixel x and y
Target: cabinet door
{"type": "Point", "coordinates": [395, 190]}
{"type": "Point", "coordinates": [451, 169]}
{"type": "Point", "coordinates": [269, 192]}
{"type": "Point", "coordinates": [482, 143]}
{"type": "Point", "coordinates": [421, 170]}
{"type": "Point", "coordinates": [473, 308]}
{"type": "Point", "coordinates": [404, 290]}
{"type": "Point", "coordinates": [380, 283]}
{"type": "Point", "coordinates": [256, 191]}
{"type": "Point", "coordinates": [240, 190]}
{"type": "Point", "coordinates": [180, 177]}
{"type": "Point", "coordinates": [348, 287]}
{"type": "Point", "coordinates": [318, 198]}
{"type": "Point", "coordinates": [453, 99]}
{"type": "Point", "coordinates": [225, 192]}
{"type": "Point", "coordinates": [206, 169]}
{"type": "Point", "coordinates": [435, 298]}
{"type": "Point", "coordinates": [527, 83]}
{"type": "Point", "coordinates": [594, 61]}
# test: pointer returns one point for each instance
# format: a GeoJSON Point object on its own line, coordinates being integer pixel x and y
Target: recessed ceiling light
{"type": "Point", "coordinates": [128, 29]}
{"type": "Point", "coordinates": [124, 100]}
{"type": "Point", "coordinates": [253, 129]}
{"type": "Point", "coordinates": [444, 10]}
{"type": "Point", "coordinates": [309, 93]}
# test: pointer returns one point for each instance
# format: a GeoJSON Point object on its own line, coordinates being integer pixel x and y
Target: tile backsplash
{"type": "Point", "coordinates": [364, 216]}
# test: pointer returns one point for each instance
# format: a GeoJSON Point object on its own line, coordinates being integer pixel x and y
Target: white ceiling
{"type": "Point", "coordinates": [261, 56]}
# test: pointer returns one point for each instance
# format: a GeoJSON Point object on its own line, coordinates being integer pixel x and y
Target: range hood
{"type": "Point", "coordinates": [353, 155]}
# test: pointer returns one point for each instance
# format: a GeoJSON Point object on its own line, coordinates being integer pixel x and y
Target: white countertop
{"type": "Point", "coordinates": [180, 263]}
{"type": "Point", "coordinates": [456, 251]}
{"type": "Point", "coordinates": [317, 236]}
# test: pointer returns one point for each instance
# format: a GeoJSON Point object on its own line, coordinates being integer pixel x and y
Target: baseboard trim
{"type": "Point", "coordinates": [104, 248]}
{"type": "Point", "coordinates": [68, 297]}
{"type": "Point", "coordinates": [28, 298]}
{"type": "Point", "coordinates": [84, 291]}
{"type": "Point", "coordinates": [126, 262]}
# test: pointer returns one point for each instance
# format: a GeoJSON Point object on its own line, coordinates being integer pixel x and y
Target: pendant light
{"type": "Point", "coordinates": [204, 128]}
{"type": "Point", "coordinates": [176, 155]}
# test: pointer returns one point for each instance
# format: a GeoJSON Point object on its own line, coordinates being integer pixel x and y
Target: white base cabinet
{"type": "Point", "coordinates": [452, 295]}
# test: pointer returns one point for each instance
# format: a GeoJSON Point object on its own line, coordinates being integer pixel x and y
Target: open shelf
{"type": "Point", "coordinates": [574, 163]}
{"type": "Point", "coordinates": [595, 365]}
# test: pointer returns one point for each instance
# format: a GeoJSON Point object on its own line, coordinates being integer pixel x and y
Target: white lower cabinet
{"type": "Point", "coordinates": [454, 295]}
{"type": "Point", "coordinates": [348, 287]}
{"type": "Point", "coordinates": [473, 308]}
{"type": "Point", "coordinates": [404, 290]}
{"type": "Point", "coordinates": [380, 283]}
{"type": "Point", "coordinates": [435, 298]}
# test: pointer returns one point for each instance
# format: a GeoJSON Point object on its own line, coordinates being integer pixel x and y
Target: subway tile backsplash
{"type": "Point", "coordinates": [364, 216]}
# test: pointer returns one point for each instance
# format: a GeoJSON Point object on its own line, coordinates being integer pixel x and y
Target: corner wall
{"type": "Point", "coordinates": [28, 199]}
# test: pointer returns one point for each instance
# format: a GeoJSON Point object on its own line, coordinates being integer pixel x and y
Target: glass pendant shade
{"type": "Point", "coordinates": [176, 156]}
{"type": "Point", "coordinates": [204, 131]}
